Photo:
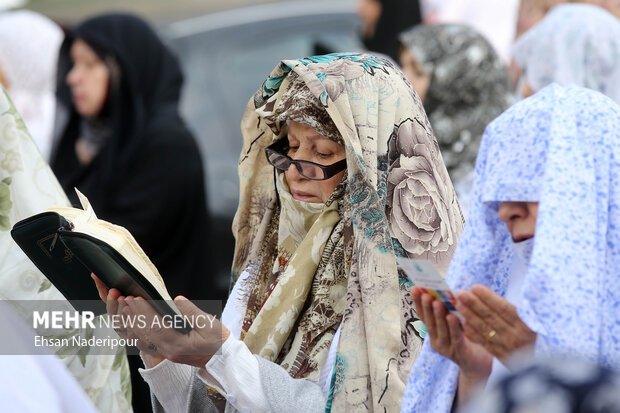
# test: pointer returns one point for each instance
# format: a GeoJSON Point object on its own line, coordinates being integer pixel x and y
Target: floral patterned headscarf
{"type": "Point", "coordinates": [398, 201]}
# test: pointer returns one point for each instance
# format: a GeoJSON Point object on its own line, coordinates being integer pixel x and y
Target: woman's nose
{"type": "Point", "coordinates": [509, 211]}
{"type": "Point", "coordinates": [293, 173]}
{"type": "Point", "coordinates": [71, 77]}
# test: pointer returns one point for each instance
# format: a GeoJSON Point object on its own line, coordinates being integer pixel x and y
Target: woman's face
{"type": "Point", "coordinates": [3, 80]}
{"type": "Point", "coordinates": [531, 12]}
{"type": "Point", "coordinates": [415, 73]}
{"type": "Point", "coordinates": [369, 12]}
{"type": "Point", "coordinates": [520, 218]}
{"type": "Point", "coordinates": [88, 79]}
{"type": "Point", "coordinates": [526, 90]}
{"type": "Point", "coordinates": [308, 145]}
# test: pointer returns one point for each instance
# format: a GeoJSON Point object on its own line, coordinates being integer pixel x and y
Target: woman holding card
{"type": "Point", "coordinates": [540, 255]}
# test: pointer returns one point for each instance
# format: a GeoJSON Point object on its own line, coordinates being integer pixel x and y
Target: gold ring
{"type": "Point", "coordinates": [491, 334]}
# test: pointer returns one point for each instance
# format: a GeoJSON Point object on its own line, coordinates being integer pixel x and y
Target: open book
{"type": "Point", "coordinates": [67, 244]}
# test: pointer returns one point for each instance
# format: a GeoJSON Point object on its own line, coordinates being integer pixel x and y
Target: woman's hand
{"type": "Point", "coordinates": [492, 322]}
{"type": "Point", "coordinates": [115, 305]}
{"type": "Point", "coordinates": [447, 338]}
{"type": "Point", "coordinates": [156, 336]}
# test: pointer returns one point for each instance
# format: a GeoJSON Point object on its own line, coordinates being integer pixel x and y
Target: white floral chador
{"type": "Point", "coordinates": [28, 187]}
{"type": "Point", "coordinates": [327, 266]}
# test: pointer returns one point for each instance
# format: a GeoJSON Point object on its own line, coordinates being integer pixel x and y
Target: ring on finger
{"type": "Point", "coordinates": [491, 335]}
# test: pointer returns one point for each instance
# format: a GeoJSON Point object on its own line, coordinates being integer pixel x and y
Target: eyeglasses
{"type": "Point", "coordinates": [276, 156]}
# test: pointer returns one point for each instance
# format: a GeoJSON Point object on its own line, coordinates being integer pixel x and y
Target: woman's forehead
{"type": "Point", "coordinates": [301, 131]}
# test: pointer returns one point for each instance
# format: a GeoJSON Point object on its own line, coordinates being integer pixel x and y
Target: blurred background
{"type": "Point", "coordinates": [226, 49]}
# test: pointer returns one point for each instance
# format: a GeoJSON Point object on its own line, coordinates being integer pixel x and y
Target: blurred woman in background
{"type": "Point", "coordinates": [573, 44]}
{"type": "Point", "coordinates": [383, 20]}
{"type": "Point", "coordinates": [463, 85]}
{"type": "Point", "coordinates": [29, 45]}
{"type": "Point", "coordinates": [121, 142]}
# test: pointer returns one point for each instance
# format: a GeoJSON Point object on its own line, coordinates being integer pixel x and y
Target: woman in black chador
{"type": "Point", "coordinates": [120, 140]}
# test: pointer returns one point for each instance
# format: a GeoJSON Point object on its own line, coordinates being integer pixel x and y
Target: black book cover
{"type": "Point", "coordinates": [68, 258]}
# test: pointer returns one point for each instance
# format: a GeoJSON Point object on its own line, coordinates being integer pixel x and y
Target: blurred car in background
{"type": "Point", "coordinates": [225, 57]}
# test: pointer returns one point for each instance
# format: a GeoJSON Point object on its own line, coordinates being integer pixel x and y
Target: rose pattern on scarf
{"type": "Point", "coordinates": [12, 161]}
{"type": "Point", "coordinates": [419, 203]}
{"type": "Point", "coordinates": [333, 76]}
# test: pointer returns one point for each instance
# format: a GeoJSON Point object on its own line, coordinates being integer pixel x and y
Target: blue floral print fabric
{"type": "Point", "coordinates": [561, 148]}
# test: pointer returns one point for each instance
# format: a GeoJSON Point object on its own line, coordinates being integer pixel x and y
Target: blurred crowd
{"type": "Point", "coordinates": [101, 99]}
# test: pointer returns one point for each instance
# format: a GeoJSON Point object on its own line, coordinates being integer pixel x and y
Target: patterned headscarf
{"type": "Point", "coordinates": [574, 44]}
{"type": "Point", "coordinates": [560, 148]}
{"type": "Point", "coordinates": [397, 200]}
{"type": "Point", "coordinates": [299, 104]}
{"type": "Point", "coordinates": [469, 87]}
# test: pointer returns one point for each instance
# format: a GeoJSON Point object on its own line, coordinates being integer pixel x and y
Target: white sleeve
{"type": "Point", "coordinates": [235, 374]}
{"type": "Point", "coordinates": [170, 383]}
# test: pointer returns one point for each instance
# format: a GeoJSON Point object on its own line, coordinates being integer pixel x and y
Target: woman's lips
{"type": "Point", "coordinates": [301, 196]}
{"type": "Point", "coordinates": [522, 237]}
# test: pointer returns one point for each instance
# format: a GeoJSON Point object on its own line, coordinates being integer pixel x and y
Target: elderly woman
{"type": "Point", "coordinates": [340, 174]}
{"type": "Point", "coordinates": [463, 84]}
{"type": "Point", "coordinates": [540, 255]}
{"type": "Point", "coordinates": [574, 44]}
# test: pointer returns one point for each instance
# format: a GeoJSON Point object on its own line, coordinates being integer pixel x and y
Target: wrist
{"type": "Point", "coordinates": [467, 385]}
{"type": "Point", "coordinates": [476, 372]}
{"type": "Point", "coordinates": [151, 360]}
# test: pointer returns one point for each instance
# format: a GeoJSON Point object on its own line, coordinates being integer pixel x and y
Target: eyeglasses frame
{"type": "Point", "coordinates": [281, 146]}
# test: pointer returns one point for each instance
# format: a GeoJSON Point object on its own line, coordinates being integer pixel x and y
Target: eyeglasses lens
{"type": "Point", "coordinates": [279, 161]}
{"type": "Point", "coordinates": [282, 162]}
{"type": "Point", "coordinates": [310, 171]}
